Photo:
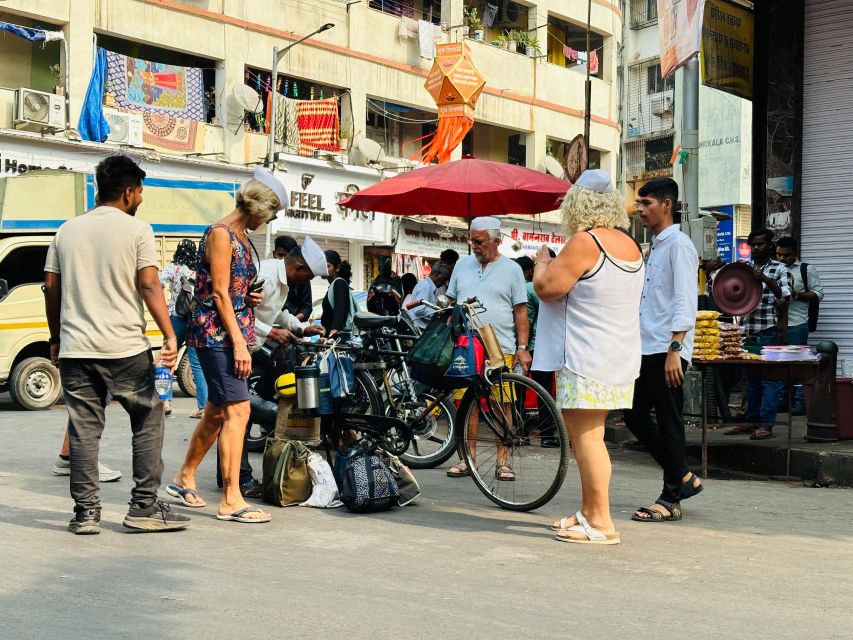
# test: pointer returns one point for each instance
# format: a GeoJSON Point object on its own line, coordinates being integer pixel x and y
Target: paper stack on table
{"type": "Point", "coordinates": [787, 353]}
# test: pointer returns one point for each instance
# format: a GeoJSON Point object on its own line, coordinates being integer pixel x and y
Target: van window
{"type": "Point", "coordinates": [24, 265]}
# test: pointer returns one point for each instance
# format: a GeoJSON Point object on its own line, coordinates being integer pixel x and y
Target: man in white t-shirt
{"type": "Point", "coordinates": [100, 274]}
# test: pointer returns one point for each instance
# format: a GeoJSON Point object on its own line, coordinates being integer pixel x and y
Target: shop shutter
{"type": "Point", "coordinates": [827, 188]}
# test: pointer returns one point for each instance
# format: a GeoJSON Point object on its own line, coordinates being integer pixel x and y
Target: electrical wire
{"type": "Point", "coordinates": [376, 108]}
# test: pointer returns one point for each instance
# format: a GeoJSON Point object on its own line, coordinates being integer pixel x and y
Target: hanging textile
{"type": "Point", "coordinates": [318, 124]}
{"type": "Point", "coordinates": [570, 54]}
{"type": "Point", "coordinates": [593, 62]}
{"type": "Point", "coordinates": [286, 129]}
{"type": "Point", "coordinates": [490, 15]}
{"type": "Point", "coordinates": [426, 44]}
{"type": "Point", "coordinates": [33, 35]}
{"type": "Point", "coordinates": [93, 126]}
{"type": "Point", "coordinates": [169, 133]}
{"type": "Point", "coordinates": [142, 85]}
{"type": "Point", "coordinates": [455, 85]}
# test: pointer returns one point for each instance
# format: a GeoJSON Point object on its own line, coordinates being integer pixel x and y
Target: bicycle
{"type": "Point", "coordinates": [430, 419]}
{"type": "Point", "coordinates": [501, 414]}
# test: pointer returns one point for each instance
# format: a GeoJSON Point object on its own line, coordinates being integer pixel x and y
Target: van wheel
{"type": "Point", "coordinates": [34, 384]}
{"type": "Point", "coordinates": [184, 374]}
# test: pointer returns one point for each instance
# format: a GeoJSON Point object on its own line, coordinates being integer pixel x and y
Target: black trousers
{"type": "Point", "coordinates": [663, 438]}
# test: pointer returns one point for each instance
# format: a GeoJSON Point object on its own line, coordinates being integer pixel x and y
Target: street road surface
{"type": "Point", "coordinates": [751, 559]}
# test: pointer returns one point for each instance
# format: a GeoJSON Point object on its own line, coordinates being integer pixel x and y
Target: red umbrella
{"type": "Point", "coordinates": [466, 188]}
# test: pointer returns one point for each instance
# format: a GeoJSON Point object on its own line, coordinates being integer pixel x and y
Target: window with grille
{"type": "Point", "coordinates": [644, 13]}
{"type": "Point", "coordinates": [650, 101]}
{"type": "Point", "coordinates": [648, 158]}
{"type": "Point", "coordinates": [655, 83]}
{"type": "Point", "coordinates": [658, 154]}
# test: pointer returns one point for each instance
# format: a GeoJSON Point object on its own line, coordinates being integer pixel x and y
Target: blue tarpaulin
{"type": "Point", "coordinates": [33, 35]}
{"type": "Point", "coordinates": [93, 126]}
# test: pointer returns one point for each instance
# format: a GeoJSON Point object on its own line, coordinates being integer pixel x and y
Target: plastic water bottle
{"type": "Point", "coordinates": [163, 382]}
{"type": "Point", "coordinates": [517, 369]}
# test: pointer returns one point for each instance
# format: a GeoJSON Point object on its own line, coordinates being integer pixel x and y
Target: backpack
{"type": "Point", "coordinates": [331, 297]}
{"type": "Point", "coordinates": [367, 484]}
{"type": "Point", "coordinates": [814, 305]}
{"type": "Point", "coordinates": [286, 480]}
{"type": "Point", "coordinates": [184, 303]}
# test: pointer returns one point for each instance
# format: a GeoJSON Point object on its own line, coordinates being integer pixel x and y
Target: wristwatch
{"type": "Point", "coordinates": [675, 346]}
{"type": "Point", "coordinates": [521, 347]}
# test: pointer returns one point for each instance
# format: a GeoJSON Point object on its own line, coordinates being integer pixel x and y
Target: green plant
{"type": "Point", "coordinates": [549, 147]}
{"type": "Point", "coordinates": [346, 128]}
{"type": "Point", "coordinates": [472, 18]}
{"type": "Point", "coordinates": [497, 43]}
{"type": "Point", "coordinates": [534, 43]}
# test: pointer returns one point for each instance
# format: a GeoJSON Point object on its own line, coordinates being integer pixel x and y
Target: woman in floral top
{"type": "Point", "coordinates": [222, 329]}
{"type": "Point", "coordinates": [182, 269]}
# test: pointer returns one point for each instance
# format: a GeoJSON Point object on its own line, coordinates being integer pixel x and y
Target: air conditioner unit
{"type": "Point", "coordinates": [661, 105]}
{"type": "Point", "coordinates": [38, 110]}
{"type": "Point", "coordinates": [125, 128]}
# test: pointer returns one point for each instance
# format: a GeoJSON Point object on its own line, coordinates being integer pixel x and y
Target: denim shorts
{"type": "Point", "coordinates": [223, 385]}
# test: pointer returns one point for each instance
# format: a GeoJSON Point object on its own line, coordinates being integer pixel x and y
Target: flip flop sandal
{"type": "Point", "coordinates": [562, 524]}
{"type": "Point", "coordinates": [688, 489]}
{"type": "Point", "coordinates": [584, 533]}
{"type": "Point", "coordinates": [180, 494]}
{"type": "Point", "coordinates": [656, 516]}
{"type": "Point", "coordinates": [740, 430]}
{"type": "Point", "coordinates": [462, 471]}
{"type": "Point", "coordinates": [240, 516]}
{"type": "Point", "coordinates": [762, 434]}
{"type": "Point", "coordinates": [501, 471]}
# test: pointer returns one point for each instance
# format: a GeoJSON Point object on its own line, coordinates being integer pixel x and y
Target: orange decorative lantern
{"type": "Point", "coordinates": [455, 84]}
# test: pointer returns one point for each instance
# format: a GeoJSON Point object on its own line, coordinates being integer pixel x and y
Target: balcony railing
{"type": "Point", "coordinates": [644, 13]}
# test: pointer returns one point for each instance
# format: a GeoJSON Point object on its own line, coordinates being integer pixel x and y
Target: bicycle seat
{"type": "Point", "coordinates": [367, 320]}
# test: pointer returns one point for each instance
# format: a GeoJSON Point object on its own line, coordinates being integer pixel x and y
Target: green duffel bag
{"type": "Point", "coordinates": [286, 481]}
{"type": "Point", "coordinates": [434, 349]}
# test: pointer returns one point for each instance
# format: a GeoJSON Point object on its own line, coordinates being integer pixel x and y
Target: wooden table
{"type": "Point", "coordinates": [791, 372]}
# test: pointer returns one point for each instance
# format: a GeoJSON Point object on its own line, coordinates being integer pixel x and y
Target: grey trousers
{"type": "Point", "coordinates": [130, 381]}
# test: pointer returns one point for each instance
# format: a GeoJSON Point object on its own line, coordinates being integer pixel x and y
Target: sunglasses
{"type": "Point", "coordinates": [476, 242]}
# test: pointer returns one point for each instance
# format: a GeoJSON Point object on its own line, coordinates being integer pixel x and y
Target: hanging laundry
{"type": "Point", "coordinates": [33, 35]}
{"type": "Point", "coordinates": [570, 54]}
{"type": "Point", "coordinates": [426, 39]}
{"type": "Point", "coordinates": [286, 129]}
{"type": "Point", "coordinates": [93, 125]}
{"type": "Point", "coordinates": [408, 28]}
{"type": "Point", "coordinates": [490, 15]}
{"type": "Point", "coordinates": [318, 124]}
{"type": "Point", "coordinates": [593, 62]}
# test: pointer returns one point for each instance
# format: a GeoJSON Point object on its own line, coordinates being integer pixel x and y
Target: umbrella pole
{"type": "Point", "coordinates": [468, 218]}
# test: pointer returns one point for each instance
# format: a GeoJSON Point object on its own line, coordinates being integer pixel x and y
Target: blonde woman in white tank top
{"type": "Point", "coordinates": [589, 333]}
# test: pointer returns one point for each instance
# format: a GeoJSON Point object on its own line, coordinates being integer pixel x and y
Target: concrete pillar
{"type": "Point", "coordinates": [79, 33]}
{"type": "Point", "coordinates": [453, 15]}
{"type": "Point", "coordinates": [535, 151]}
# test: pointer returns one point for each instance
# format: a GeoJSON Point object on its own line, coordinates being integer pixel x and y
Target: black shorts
{"type": "Point", "coordinates": [223, 385]}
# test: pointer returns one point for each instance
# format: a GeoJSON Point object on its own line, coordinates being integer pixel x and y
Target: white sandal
{"type": "Point", "coordinates": [589, 535]}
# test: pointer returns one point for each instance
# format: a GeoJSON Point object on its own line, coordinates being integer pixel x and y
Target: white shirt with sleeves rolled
{"type": "Point", "coordinates": [271, 311]}
{"type": "Point", "coordinates": [670, 293]}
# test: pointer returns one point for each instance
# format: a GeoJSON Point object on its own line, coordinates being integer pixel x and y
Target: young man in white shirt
{"type": "Point", "coordinates": [667, 319]}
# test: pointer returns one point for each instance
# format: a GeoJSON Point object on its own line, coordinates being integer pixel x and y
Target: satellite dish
{"type": "Point", "coordinates": [576, 159]}
{"type": "Point", "coordinates": [367, 151]}
{"type": "Point", "coordinates": [553, 166]}
{"type": "Point", "coordinates": [247, 98]}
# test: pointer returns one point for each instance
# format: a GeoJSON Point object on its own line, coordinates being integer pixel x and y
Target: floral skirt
{"type": "Point", "coordinates": [577, 392]}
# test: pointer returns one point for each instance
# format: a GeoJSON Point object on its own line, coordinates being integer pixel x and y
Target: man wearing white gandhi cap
{"type": "Point", "coordinates": [498, 283]}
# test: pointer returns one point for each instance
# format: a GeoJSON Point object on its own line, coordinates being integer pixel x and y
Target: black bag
{"type": "Point", "coordinates": [814, 305]}
{"type": "Point", "coordinates": [185, 301]}
{"type": "Point", "coordinates": [368, 485]}
{"type": "Point", "coordinates": [281, 360]}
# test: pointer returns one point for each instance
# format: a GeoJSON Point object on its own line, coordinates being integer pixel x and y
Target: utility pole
{"type": "Point", "coordinates": [587, 115]}
{"type": "Point", "coordinates": [690, 138]}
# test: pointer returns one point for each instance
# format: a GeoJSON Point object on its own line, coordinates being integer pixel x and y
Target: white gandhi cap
{"type": "Point", "coordinates": [267, 178]}
{"type": "Point", "coordinates": [597, 180]}
{"type": "Point", "coordinates": [485, 223]}
{"type": "Point", "coordinates": [315, 258]}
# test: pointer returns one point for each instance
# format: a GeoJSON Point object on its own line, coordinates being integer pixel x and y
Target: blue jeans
{"type": "Point", "coordinates": [180, 326]}
{"type": "Point", "coordinates": [799, 334]}
{"type": "Point", "coordinates": [762, 396]}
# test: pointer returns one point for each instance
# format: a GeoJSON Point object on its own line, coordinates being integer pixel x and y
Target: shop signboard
{"type": "Point", "coordinates": [525, 238]}
{"type": "Point", "coordinates": [725, 234]}
{"type": "Point", "coordinates": [314, 193]}
{"type": "Point", "coordinates": [727, 42]}
{"type": "Point", "coordinates": [429, 240]}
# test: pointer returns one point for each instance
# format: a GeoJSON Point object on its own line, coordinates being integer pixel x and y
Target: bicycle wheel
{"type": "Point", "coordinates": [365, 398]}
{"type": "Point", "coordinates": [504, 425]}
{"type": "Point", "coordinates": [433, 426]}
